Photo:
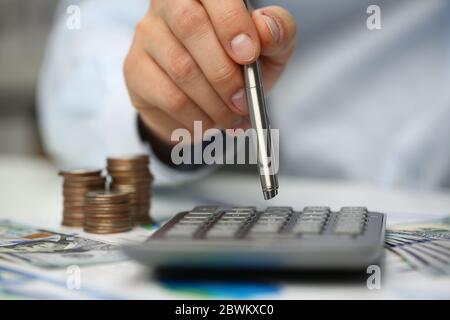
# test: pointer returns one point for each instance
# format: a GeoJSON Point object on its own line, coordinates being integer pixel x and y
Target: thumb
{"type": "Point", "coordinates": [277, 31]}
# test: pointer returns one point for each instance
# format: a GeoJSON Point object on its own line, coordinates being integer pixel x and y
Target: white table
{"type": "Point", "coordinates": [30, 193]}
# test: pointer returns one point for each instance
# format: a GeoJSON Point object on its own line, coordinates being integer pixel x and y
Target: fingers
{"type": "Point", "coordinates": [179, 65]}
{"type": "Point", "coordinates": [277, 31]}
{"type": "Point", "coordinates": [145, 78]}
{"type": "Point", "coordinates": [185, 61]}
{"type": "Point", "coordinates": [191, 25]}
{"type": "Point", "coordinates": [234, 28]}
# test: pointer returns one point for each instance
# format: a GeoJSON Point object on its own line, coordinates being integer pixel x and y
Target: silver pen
{"type": "Point", "coordinates": [267, 162]}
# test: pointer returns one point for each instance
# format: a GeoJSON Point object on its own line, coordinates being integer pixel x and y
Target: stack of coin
{"type": "Point", "coordinates": [107, 212]}
{"type": "Point", "coordinates": [131, 174]}
{"type": "Point", "coordinates": [76, 184]}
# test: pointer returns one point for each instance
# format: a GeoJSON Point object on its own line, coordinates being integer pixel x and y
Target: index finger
{"type": "Point", "coordinates": [235, 29]}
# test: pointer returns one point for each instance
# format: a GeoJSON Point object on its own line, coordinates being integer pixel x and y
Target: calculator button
{"type": "Point", "coordinates": [229, 222]}
{"type": "Point", "coordinates": [314, 214]}
{"type": "Point", "coordinates": [351, 215]}
{"type": "Point", "coordinates": [354, 230]}
{"type": "Point", "coordinates": [309, 224]}
{"type": "Point", "coordinates": [235, 215]}
{"type": "Point", "coordinates": [221, 233]}
{"type": "Point", "coordinates": [308, 228]}
{"type": "Point", "coordinates": [181, 231]}
{"type": "Point", "coordinates": [287, 210]}
{"type": "Point", "coordinates": [219, 225]}
{"type": "Point", "coordinates": [271, 219]}
{"type": "Point", "coordinates": [199, 215]}
{"type": "Point", "coordinates": [351, 222]}
{"type": "Point", "coordinates": [264, 228]}
{"type": "Point", "coordinates": [342, 227]}
{"type": "Point", "coordinates": [316, 209]}
{"type": "Point", "coordinates": [185, 227]}
{"type": "Point", "coordinates": [311, 221]}
{"type": "Point", "coordinates": [311, 218]}
{"type": "Point", "coordinates": [237, 220]}
{"type": "Point", "coordinates": [243, 209]}
{"type": "Point", "coordinates": [205, 209]}
{"type": "Point", "coordinates": [281, 215]}
{"type": "Point", "coordinates": [353, 210]}
{"type": "Point", "coordinates": [188, 222]}
{"type": "Point", "coordinates": [193, 219]}
{"type": "Point", "coordinates": [266, 224]}
{"type": "Point", "coordinates": [345, 217]}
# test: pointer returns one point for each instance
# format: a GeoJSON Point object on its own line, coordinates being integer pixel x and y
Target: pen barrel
{"type": "Point", "coordinates": [266, 157]}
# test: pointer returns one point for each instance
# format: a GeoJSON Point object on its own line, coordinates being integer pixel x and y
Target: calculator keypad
{"type": "Point", "coordinates": [248, 223]}
{"type": "Point", "coordinates": [351, 220]}
{"type": "Point", "coordinates": [230, 222]}
{"type": "Point", "coordinates": [190, 223]}
{"type": "Point", "coordinates": [270, 222]}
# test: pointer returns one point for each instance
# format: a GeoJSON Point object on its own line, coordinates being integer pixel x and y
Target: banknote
{"type": "Point", "coordinates": [425, 246]}
{"type": "Point", "coordinates": [51, 249]}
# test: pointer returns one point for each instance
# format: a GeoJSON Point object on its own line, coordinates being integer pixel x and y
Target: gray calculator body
{"type": "Point", "coordinates": [314, 238]}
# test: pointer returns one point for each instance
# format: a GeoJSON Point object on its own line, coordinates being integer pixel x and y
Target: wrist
{"type": "Point", "coordinates": [162, 149]}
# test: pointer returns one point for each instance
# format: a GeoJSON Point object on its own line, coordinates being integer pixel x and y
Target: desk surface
{"type": "Point", "coordinates": [30, 193]}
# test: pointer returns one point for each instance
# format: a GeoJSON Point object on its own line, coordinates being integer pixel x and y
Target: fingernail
{"type": "Point", "coordinates": [273, 27]}
{"type": "Point", "coordinates": [239, 100]}
{"type": "Point", "coordinates": [243, 47]}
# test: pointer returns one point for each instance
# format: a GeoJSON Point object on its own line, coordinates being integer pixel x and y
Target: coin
{"type": "Point", "coordinates": [87, 203]}
{"type": "Point", "coordinates": [80, 172]}
{"type": "Point", "coordinates": [131, 174]}
{"type": "Point", "coordinates": [108, 223]}
{"type": "Point", "coordinates": [127, 160]}
{"type": "Point", "coordinates": [72, 223]}
{"type": "Point", "coordinates": [78, 182]}
{"type": "Point", "coordinates": [106, 194]}
{"type": "Point", "coordinates": [109, 217]}
{"type": "Point", "coordinates": [107, 212]}
{"type": "Point", "coordinates": [113, 207]}
{"type": "Point", "coordinates": [106, 230]}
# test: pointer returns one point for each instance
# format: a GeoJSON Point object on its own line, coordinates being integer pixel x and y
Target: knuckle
{"type": "Point", "coordinates": [140, 27]}
{"type": "Point", "coordinates": [178, 102]}
{"type": "Point", "coordinates": [138, 103]}
{"type": "Point", "coordinates": [189, 20]}
{"type": "Point", "coordinates": [182, 67]}
{"type": "Point", "coordinates": [128, 66]}
{"type": "Point", "coordinates": [129, 69]}
{"type": "Point", "coordinates": [224, 74]}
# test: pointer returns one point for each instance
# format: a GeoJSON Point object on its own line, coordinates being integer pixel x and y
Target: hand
{"type": "Point", "coordinates": [185, 61]}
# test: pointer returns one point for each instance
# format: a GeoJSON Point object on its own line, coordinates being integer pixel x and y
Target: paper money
{"type": "Point", "coordinates": [425, 246]}
{"type": "Point", "coordinates": [52, 249]}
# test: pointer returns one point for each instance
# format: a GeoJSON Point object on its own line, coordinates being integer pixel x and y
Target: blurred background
{"type": "Point", "coordinates": [24, 28]}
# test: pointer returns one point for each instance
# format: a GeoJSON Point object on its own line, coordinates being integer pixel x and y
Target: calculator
{"type": "Point", "coordinates": [314, 238]}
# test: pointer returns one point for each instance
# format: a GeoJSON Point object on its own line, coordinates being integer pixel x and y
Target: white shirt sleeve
{"type": "Point", "coordinates": [85, 113]}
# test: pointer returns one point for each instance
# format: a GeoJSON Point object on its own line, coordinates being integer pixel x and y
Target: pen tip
{"type": "Point", "coordinates": [270, 193]}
